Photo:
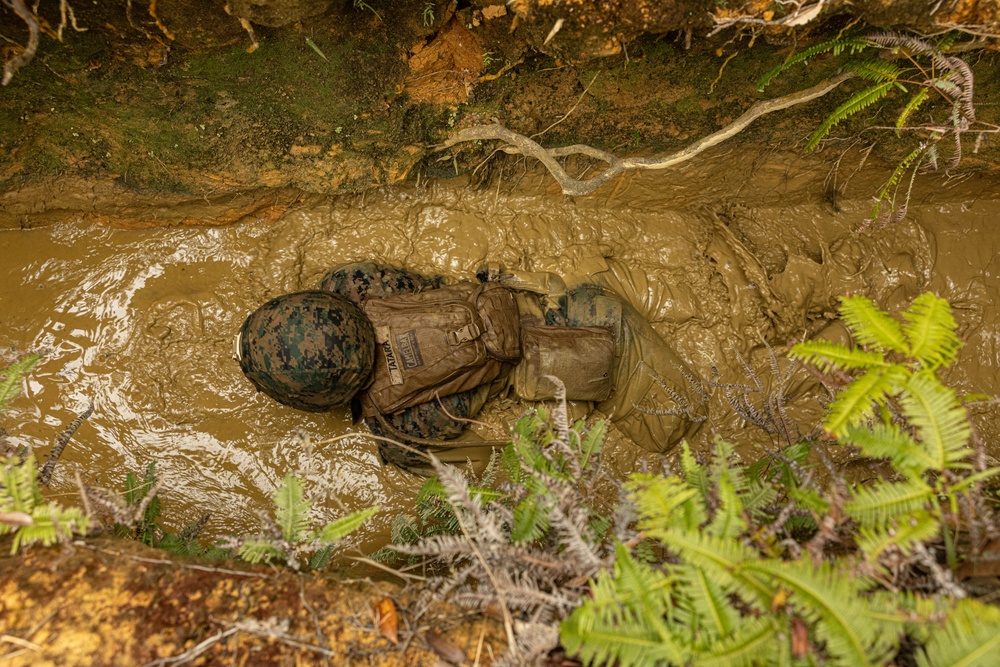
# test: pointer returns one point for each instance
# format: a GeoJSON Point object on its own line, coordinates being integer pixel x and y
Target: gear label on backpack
{"type": "Point", "coordinates": [384, 339]}
{"type": "Point", "coordinates": [409, 349]}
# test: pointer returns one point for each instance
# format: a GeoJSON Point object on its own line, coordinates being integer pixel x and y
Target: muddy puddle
{"type": "Point", "coordinates": [721, 254]}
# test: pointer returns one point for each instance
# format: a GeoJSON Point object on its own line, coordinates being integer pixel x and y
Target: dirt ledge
{"type": "Point", "coordinates": [114, 602]}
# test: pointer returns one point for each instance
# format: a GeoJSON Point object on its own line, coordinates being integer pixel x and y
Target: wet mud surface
{"type": "Point", "coordinates": [722, 254]}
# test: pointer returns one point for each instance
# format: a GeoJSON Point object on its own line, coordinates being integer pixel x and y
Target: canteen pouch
{"type": "Point", "coordinates": [582, 357]}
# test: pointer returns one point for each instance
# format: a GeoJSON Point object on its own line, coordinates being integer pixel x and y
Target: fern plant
{"type": "Point", "coordinates": [732, 592]}
{"type": "Point", "coordinates": [898, 409]}
{"type": "Point", "coordinates": [10, 385]}
{"type": "Point", "coordinates": [26, 514]}
{"type": "Point", "coordinates": [292, 533]}
{"type": "Point", "coordinates": [915, 67]}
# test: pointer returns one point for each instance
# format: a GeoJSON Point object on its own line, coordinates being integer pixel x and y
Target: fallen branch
{"type": "Point", "coordinates": [522, 145]}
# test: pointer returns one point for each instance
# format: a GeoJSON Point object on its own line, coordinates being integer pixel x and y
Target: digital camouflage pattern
{"type": "Point", "coordinates": [309, 350]}
{"type": "Point", "coordinates": [361, 281]}
{"type": "Point", "coordinates": [366, 280]}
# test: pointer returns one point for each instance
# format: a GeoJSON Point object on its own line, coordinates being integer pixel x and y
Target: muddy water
{"type": "Point", "coordinates": [719, 255]}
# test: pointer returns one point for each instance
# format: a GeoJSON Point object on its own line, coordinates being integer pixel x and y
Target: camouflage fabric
{"type": "Point", "coordinates": [309, 350]}
{"type": "Point", "coordinates": [366, 280]}
{"type": "Point", "coordinates": [361, 281]}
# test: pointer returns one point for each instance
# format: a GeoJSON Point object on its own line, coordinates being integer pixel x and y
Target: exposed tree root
{"type": "Point", "coordinates": [520, 144]}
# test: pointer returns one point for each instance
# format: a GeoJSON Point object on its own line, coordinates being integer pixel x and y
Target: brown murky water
{"type": "Point", "coordinates": [724, 252]}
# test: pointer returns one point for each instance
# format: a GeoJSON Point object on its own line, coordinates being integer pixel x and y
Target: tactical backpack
{"type": "Point", "coordinates": [440, 342]}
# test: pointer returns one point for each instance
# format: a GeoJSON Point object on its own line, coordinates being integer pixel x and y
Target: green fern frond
{"type": "Point", "coordinates": [856, 402]}
{"type": "Point", "coordinates": [694, 473]}
{"type": "Point", "coordinates": [624, 619]}
{"type": "Point", "coordinates": [858, 101]}
{"type": "Point", "coordinates": [10, 386]}
{"type": "Point", "coordinates": [912, 106]}
{"type": "Point", "coordinates": [877, 505]}
{"type": "Point", "coordinates": [723, 560]}
{"type": "Point", "coordinates": [292, 509]}
{"type": "Point", "coordinates": [930, 329]}
{"type": "Point", "coordinates": [665, 502]}
{"type": "Point", "coordinates": [874, 70]}
{"type": "Point", "coordinates": [260, 549]}
{"type": "Point", "coordinates": [941, 422]}
{"type": "Point", "coordinates": [889, 441]}
{"type": "Point", "coordinates": [345, 525]}
{"type": "Point", "coordinates": [836, 46]}
{"type": "Point", "coordinates": [833, 598]}
{"type": "Point", "coordinates": [970, 638]}
{"type": "Point", "coordinates": [592, 442]}
{"type": "Point", "coordinates": [871, 326]}
{"type": "Point", "coordinates": [18, 485]}
{"type": "Point", "coordinates": [831, 356]}
{"type": "Point", "coordinates": [728, 521]}
{"type": "Point", "coordinates": [893, 181]}
{"type": "Point", "coordinates": [51, 523]}
{"type": "Point", "coordinates": [709, 601]}
{"type": "Point", "coordinates": [531, 519]}
{"type": "Point", "coordinates": [918, 526]}
{"type": "Point", "coordinates": [755, 642]}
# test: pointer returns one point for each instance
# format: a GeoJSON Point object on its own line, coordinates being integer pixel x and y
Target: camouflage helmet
{"type": "Point", "coordinates": [309, 350]}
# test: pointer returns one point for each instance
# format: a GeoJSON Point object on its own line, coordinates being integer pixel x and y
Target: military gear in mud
{"type": "Point", "coordinates": [309, 350]}
{"type": "Point", "coordinates": [440, 352]}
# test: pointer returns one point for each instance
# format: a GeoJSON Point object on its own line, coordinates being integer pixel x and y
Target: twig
{"type": "Point", "coordinates": [572, 109]}
{"type": "Point", "coordinates": [520, 144]}
{"type": "Point", "coordinates": [161, 561]}
{"type": "Point", "coordinates": [386, 568]}
{"type": "Point", "coordinates": [194, 651]}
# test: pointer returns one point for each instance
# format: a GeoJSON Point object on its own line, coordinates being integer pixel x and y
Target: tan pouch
{"type": "Point", "coordinates": [440, 342]}
{"type": "Point", "coordinates": [582, 357]}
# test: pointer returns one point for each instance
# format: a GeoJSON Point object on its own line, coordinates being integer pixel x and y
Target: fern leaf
{"type": "Point", "coordinates": [917, 526]}
{"type": "Point", "coordinates": [830, 356]}
{"type": "Point", "coordinates": [930, 329]}
{"type": "Point", "coordinates": [874, 70]}
{"type": "Point", "coordinates": [663, 502]}
{"type": "Point", "coordinates": [941, 422]}
{"type": "Point", "coordinates": [531, 520]}
{"type": "Point", "coordinates": [51, 523]}
{"type": "Point", "coordinates": [345, 525]}
{"type": "Point", "coordinates": [889, 441]}
{"type": "Point", "coordinates": [18, 485]}
{"type": "Point", "coordinates": [592, 441]}
{"type": "Point", "coordinates": [260, 549]}
{"type": "Point", "coordinates": [624, 618]}
{"type": "Point", "coordinates": [723, 560]}
{"type": "Point", "coordinates": [10, 386]}
{"type": "Point", "coordinates": [897, 174]}
{"type": "Point", "coordinates": [970, 638]}
{"type": "Point", "coordinates": [859, 101]}
{"type": "Point", "coordinates": [877, 505]}
{"type": "Point", "coordinates": [833, 596]}
{"type": "Point", "coordinates": [755, 643]}
{"type": "Point", "coordinates": [912, 106]}
{"type": "Point", "coordinates": [856, 401]}
{"type": "Point", "coordinates": [709, 601]}
{"type": "Point", "coordinates": [292, 509]}
{"type": "Point", "coordinates": [871, 326]}
{"type": "Point", "coordinates": [837, 46]}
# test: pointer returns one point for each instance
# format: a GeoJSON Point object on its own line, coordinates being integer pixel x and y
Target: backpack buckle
{"type": "Point", "coordinates": [464, 335]}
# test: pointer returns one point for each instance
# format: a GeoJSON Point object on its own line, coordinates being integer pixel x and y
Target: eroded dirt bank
{"type": "Point", "coordinates": [117, 603]}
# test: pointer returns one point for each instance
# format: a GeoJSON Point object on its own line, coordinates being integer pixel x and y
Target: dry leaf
{"type": "Point", "coordinates": [445, 649]}
{"type": "Point", "coordinates": [15, 519]}
{"type": "Point", "coordinates": [387, 619]}
{"type": "Point", "coordinates": [800, 638]}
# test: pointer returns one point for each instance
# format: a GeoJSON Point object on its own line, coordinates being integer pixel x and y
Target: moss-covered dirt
{"type": "Point", "coordinates": [334, 104]}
